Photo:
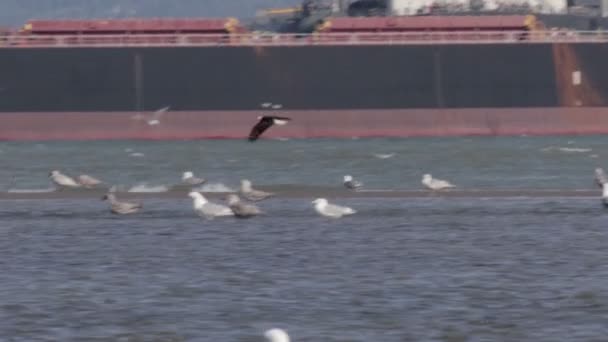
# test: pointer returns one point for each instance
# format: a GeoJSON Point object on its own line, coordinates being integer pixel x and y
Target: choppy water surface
{"type": "Point", "coordinates": [410, 269]}
{"type": "Point", "coordinates": [563, 162]}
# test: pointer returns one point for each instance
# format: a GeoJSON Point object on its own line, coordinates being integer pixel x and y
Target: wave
{"type": "Point", "coordinates": [214, 187]}
{"type": "Point", "coordinates": [148, 188]}
{"type": "Point", "coordinates": [574, 149]}
{"type": "Point", "coordinates": [567, 149]}
{"type": "Point", "coordinates": [30, 191]}
{"type": "Point", "coordinates": [384, 155]}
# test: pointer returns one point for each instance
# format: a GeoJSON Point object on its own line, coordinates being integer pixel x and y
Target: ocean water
{"type": "Point", "coordinates": [401, 269]}
{"type": "Point", "coordinates": [505, 162]}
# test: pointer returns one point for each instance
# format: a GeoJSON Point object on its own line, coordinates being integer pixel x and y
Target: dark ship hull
{"type": "Point", "coordinates": [330, 91]}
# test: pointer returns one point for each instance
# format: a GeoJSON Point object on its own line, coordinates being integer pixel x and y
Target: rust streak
{"type": "Point", "coordinates": [566, 63]}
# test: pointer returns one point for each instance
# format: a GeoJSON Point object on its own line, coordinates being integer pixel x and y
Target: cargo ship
{"type": "Point", "coordinates": [353, 69]}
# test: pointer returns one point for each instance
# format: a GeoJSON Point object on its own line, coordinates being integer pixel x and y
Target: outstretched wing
{"type": "Point", "coordinates": [259, 128]}
{"type": "Point", "coordinates": [156, 115]}
{"type": "Point", "coordinates": [280, 120]}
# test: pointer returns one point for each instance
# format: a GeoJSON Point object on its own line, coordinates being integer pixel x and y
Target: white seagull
{"type": "Point", "coordinates": [62, 180]}
{"type": "Point", "coordinates": [435, 184]}
{"type": "Point", "coordinates": [351, 184]}
{"type": "Point", "coordinates": [276, 335]}
{"type": "Point", "coordinates": [206, 209]}
{"type": "Point", "coordinates": [189, 179]}
{"type": "Point", "coordinates": [331, 210]}
{"type": "Point", "coordinates": [605, 195]}
{"type": "Point", "coordinates": [240, 209]}
{"type": "Point", "coordinates": [251, 194]}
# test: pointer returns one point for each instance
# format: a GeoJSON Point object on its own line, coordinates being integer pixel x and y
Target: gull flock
{"type": "Point", "coordinates": [242, 204]}
{"type": "Point", "coordinates": [234, 207]}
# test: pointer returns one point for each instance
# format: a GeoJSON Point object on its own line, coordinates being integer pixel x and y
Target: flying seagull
{"type": "Point", "coordinates": [331, 210]}
{"type": "Point", "coordinates": [435, 184]}
{"type": "Point", "coordinates": [270, 105]}
{"type": "Point", "coordinates": [264, 123]}
{"type": "Point", "coordinates": [122, 208]}
{"type": "Point", "coordinates": [276, 335]}
{"type": "Point", "coordinates": [351, 184]}
{"type": "Point", "coordinates": [62, 180]}
{"type": "Point", "coordinates": [154, 118]}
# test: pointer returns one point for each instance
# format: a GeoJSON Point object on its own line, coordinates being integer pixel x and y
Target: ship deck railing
{"type": "Point", "coordinates": [276, 39]}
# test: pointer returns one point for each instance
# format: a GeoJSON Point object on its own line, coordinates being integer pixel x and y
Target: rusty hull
{"type": "Point", "coordinates": [181, 125]}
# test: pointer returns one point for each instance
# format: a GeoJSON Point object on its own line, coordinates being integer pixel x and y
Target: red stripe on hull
{"type": "Point", "coordinates": [307, 124]}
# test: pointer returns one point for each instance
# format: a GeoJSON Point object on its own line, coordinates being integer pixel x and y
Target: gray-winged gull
{"type": "Point", "coordinates": [351, 184]}
{"type": "Point", "coordinates": [88, 181]}
{"type": "Point", "coordinates": [251, 194]}
{"type": "Point", "coordinates": [207, 209]}
{"type": "Point", "coordinates": [240, 209]}
{"type": "Point", "coordinates": [62, 180]}
{"type": "Point", "coordinates": [189, 179]}
{"type": "Point", "coordinates": [276, 335]}
{"type": "Point", "coordinates": [324, 208]}
{"type": "Point", "coordinates": [118, 207]}
{"type": "Point", "coordinates": [435, 184]}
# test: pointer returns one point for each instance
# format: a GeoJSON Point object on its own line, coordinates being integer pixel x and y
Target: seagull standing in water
{"type": "Point", "coordinates": [264, 123]}
{"type": "Point", "coordinates": [62, 180]}
{"type": "Point", "coordinates": [206, 209]}
{"type": "Point", "coordinates": [351, 184]}
{"type": "Point", "coordinates": [88, 181]}
{"type": "Point", "coordinates": [600, 177]}
{"type": "Point", "coordinates": [240, 209]}
{"type": "Point", "coordinates": [251, 194]}
{"type": "Point", "coordinates": [121, 208]}
{"type": "Point", "coordinates": [189, 179]}
{"type": "Point", "coordinates": [331, 210]}
{"type": "Point", "coordinates": [435, 184]}
{"type": "Point", "coordinates": [276, 335]}
{"type": "Point", "coordinates": [605, 195]}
